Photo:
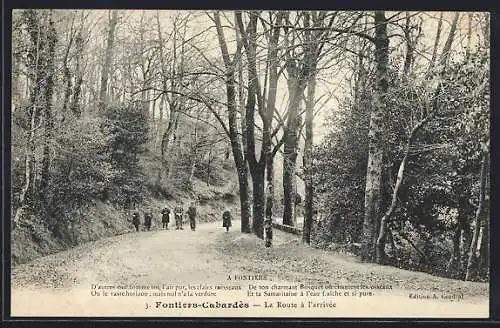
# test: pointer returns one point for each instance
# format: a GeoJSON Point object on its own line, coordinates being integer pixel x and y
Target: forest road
{"type": "Point", "coordinates": [160, 265]}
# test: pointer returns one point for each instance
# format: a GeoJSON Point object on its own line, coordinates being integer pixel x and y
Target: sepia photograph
{"type": "Point", "coordinates": [250, 163]}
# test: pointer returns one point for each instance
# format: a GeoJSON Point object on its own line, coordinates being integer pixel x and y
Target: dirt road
{"type": "Point", "coordinates": [62, 284]}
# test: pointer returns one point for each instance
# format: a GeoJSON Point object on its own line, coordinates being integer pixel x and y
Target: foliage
{"type": "Point", "coordinates": [81, 169]}
{"type": "Point", "coordinates": [126, 126]}
{"type": "Point", "coordinates": [340, 173]}
{"type": "Point", "coordinates": [442, 171]}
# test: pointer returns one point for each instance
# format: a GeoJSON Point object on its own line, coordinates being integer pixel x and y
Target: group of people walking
{"type": "Point", "coordinates": [178, 216]}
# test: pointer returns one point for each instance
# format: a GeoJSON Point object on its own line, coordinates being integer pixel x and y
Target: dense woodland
{"type": "Point", "coordinates": [373, 126]}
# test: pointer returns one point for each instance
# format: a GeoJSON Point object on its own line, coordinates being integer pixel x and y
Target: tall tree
{"type": "Point", "coordinates": [445, 55]}
{"type": "Point", "coordinates": [436, 40]}
{"type": "Point", "coordinates": [108, 59]}
{"type": "Point", "coordinates": [307, 159]}
{"type": "Point", "coordinates": [301, 67]}
{"type": "Point", "coordinates": [66, 69]}
{"type": "Point", "coordinates": [298, 72]}
{"type": "Point", "coordinates": [234, 134]}
{"type": "Point", "coordinates": [257, 170]}
{"type": "Point", "coordinates": [40, 66]}
{"type": "Point", "coordinates": [48, 105]}
{"type": "Point", "coordinates": [316, 40]}
{"type": "Point", "coordinates": [37, 75]}
{"type": "Point", "coordinates": [272, 64]}
{"type": "Point", "coordinates": [373, 188]}
{"type": "Point", "coordinates": [77, 88]}
{"type": "Point", "coordinates": [475, 245]}
{"type": "Point", "coordinates": [172, 79]}
{"type": "Point", "coordinates": [263, 102]}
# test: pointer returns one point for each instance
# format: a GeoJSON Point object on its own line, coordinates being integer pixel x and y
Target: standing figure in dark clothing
{"type": "Point", "coordinates": [165, 217]}
{"type": "Point", "coordinates": [136, 221]}
{"type": "Point", "coordinates": [226, 220]}
{"type": "Point", "coordinates": [268, 219]}
{"type": "Point", "coordinates": [148, 218]}
{"type": "Point", "coordinates": [192, 216]}
{"type": "Point", "coordinates": [178, 212]}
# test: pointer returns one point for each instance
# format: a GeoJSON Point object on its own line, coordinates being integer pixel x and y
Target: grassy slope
{"type": "Point", "coordinates": [291, 260]}
{"type": "Point", "coordinates": [104, 220]}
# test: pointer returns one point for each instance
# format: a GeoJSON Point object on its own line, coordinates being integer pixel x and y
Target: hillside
{"type": "Point", "coordinates": [103, 219]}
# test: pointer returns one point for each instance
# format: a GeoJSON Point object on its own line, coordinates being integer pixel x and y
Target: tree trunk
{"type": "Point", "coordinates": [449, 41]}
{"type": "Point", "coordinates": [257, 168]}
{"type": "Point", "coordinates": [267, 118]}
{"type": "Point", "coordinates": [16, 85]}
{"type": "Point", "coordinates": [457, 235]}
{"type": "Point", "coordinates": [77, 89]}
{"type": "Point", "coordinates": [380, 244]}
{"type": "Point", "coordinates": [209, 164]}
{"type": "Point", "coordinates": [236, 146]}
{"type": "Point", "coordinates": [484, 251]}
{"type": "Point", "coordinates": [307, 160]}
{"type": "Point", "coordinates": [381, 239]}
{"type": "Point", "coordinates": [268, 221]}
{"type": "Point", "coordinates": [29, 177]}
{"type": "Point", "coordinates": [176, 144]}
{"type": "Point", "coordinates": [262, 201]}
{"type": "Point", "coordinates": [296, 86]}
{"type": "Point", "coordinates": [161, 108]}
{"type": "Point", "coordinates": [436, 40]}
{"type": "Point", "coordinates": [469, 35]}
{"type": "Point", "coordinates": [453, 266]}
{"type": "Point", "coordinates": [106, 68]}
{"type": "Point", "coordinates": [165, 143]}
{"type": "Point", "coordinates": [164, 170]}
{"type": "Point", "coordinates": [289, 191]}
{"type": "Point", "coordinates": [410, 46]}
{"type": "Point", "coordinates": [193, 153]}
{"type": "Point", "coordinates": [297, 82]}
{"type": "Point", "coordinates": [465, 241]}
{"type": "Point", "coordinates": [152, 108]}
{"type": "Point", "coordinates": [36, 76]}
{"type": "Point", "coordinates": [244, 197]}
{"type": "Point", "coordinates": [48, 115]}
{"type": "Point", "coordinates": [191, 171]}
{"type": "Point", "coordinates": [484, 246]}
{"type": "Point", "coordinates": [375, 141]}
{"type": "Point", "coordinates": [472, 261]}
{"type": "Point", "coordinates": [241, 105]}
{"type": "Point", "coordinates": [258, 201]}
{"type": "Point", "coordinates": [67, 79]}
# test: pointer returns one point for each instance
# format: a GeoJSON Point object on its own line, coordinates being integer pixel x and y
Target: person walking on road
{"type": "Point", "coordinates": [226, 219]}
{"type": "Point", "coordinates": [178, 213]}
{"type": "Point", "coordinates": [136, 221]}
{"type": "Point", "coordinates": [165, 217]}
{"type": "Point", "coordinates": [148, 218]}
{"type": "Point", "coordinates": [192, 216]}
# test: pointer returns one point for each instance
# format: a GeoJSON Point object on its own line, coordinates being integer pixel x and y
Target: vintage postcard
{"type": "Point", "coordinates": [221, 163]}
